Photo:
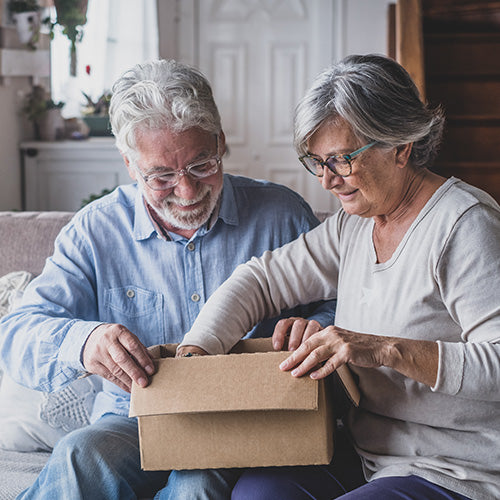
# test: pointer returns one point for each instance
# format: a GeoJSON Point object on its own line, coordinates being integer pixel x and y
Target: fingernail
{"type": "Point", "coordinates": [142, 382]}
{"type": "Point", "coordinates": [283, 365]}
{"type": "Point", "coordinates": [150, 369]}
{"type": "Point", "coordinates": [295, 372]}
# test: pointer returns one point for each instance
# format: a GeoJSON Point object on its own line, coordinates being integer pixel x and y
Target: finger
{"type": "Point", "coordinates": [138, 351]}
{"type": "Point", "coordinates": [310, 363]}
{"type": "Point", "coordinates": [295, 358]}
{"type": "Point", "coordinates": [298, 327]}
{"type": "Point", "coordinates": [328, 368]}
{"type": "Point", "coordinates": [122, 381]}
{"type": "Point", "coordinates": [123, 362]}
{"type": "Point", "coordinates": [312, 328]}
{"type": "Point", "coordinates": [190, 350]}
{"type": "Point", "coordinates": [280, 333]}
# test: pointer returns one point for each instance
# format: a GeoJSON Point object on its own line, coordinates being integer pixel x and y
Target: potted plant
{"type": "Point", "coordinates": [95, 114]}
{"type": "Point", "coordinates": [45, 114]}
{"type": "Point", "coordinates": [26, 16]}
{"type": "Point", "coordinates": [71, 16]}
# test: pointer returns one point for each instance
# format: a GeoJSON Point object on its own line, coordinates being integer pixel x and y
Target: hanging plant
{"type": "Point", "coordinates": [72, 16]}
{"type": "Point", "coordinates": [26, 16]}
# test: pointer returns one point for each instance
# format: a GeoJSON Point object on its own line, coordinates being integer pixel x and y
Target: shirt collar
{"type": "Point", "coordinates": [228, 207]}
{"type": "Point", "coordinates": [145, 226]}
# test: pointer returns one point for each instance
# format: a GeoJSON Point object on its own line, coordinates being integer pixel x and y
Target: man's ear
{"type": "Point", "coordinates": [131, 171]}
{"type": "Point", "coordinates": [403, 154]}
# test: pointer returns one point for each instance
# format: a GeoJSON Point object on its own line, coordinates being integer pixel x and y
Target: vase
{"type": "Point", "coordinates": [50, 126]}
{"type": "Point", "coordinates": [28, 27]}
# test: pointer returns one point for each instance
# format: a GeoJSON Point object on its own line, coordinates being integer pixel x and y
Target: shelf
{"type": "Point", "coordinates": [17, 62]}
{"type": "Point", "coordinates": [90, 143]}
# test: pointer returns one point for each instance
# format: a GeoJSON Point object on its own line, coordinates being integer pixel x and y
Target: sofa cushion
{"type": "Point", "coordinates": [33, 420]}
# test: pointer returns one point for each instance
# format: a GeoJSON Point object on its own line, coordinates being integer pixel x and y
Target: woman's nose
{"type": "Point", "coordinates": [330, 180]}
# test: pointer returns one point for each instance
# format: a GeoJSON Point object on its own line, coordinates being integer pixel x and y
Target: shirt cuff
{"type": "Point", "coordinates": [209, 343]}
{"type": "Point", "coordinates": [451, 367]}
{"type": "Point", "coordinates": [71, 350]}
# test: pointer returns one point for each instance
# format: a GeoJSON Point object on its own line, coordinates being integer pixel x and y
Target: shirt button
{"type": "Point", "coordinates": [195, 297]}
{"type": "Point", "coordinates": [190, 246]}
{"type": "Point", "coordinates": [130, 294]}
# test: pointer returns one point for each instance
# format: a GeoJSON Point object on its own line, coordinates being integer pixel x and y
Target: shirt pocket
{"type": "Point", "coordinates": [140, 310]}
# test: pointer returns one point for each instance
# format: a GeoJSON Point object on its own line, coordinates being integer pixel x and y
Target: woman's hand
{"type": "Point", "coordinates": [298, 330]}
{"type": "Point", "coordinates": [322, 353]}
{"type": "Point", "coordinates": [190, 350]}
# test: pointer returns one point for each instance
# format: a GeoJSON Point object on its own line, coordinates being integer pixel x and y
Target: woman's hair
{"type": "Point", "coordinates": [157, 95]}
{"type": "Point", "coordinates": [378, 99]}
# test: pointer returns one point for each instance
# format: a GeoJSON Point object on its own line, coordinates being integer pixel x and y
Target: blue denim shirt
{"type": "Point", "coordinates": [110, 265]}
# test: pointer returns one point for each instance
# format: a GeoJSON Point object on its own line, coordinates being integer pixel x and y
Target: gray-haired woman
{"type": "Point", "coordinates": [414, 261]}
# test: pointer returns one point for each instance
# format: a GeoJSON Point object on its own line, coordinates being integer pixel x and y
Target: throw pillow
{"type": "Point", "coordinates": [33, 420]}
{"type": "Point", "coordinates": [10, 285]}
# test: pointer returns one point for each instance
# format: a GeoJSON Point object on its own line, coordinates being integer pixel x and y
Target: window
{"type": "Point", "coordinates": [117, 35]}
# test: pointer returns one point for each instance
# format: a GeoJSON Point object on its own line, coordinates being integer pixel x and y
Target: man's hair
{"type": "Point", "coordinates": [160, 94]}
{"type": "Point", "coordinates": [379, 100]}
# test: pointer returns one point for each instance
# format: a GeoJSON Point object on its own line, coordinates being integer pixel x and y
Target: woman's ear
{"type": "Point", "coordinates": [403, 154]}
{"type": "Point", "coordinates": [222, 143]}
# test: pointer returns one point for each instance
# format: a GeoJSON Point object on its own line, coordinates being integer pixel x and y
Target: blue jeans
{"type": "Point", "coordinates": [102, 461]}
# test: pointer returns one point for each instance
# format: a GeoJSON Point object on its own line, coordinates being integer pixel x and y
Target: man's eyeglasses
{"type": "Point", "coordinates": [340, 164]}
{"type": "Point", "coordinates": [170, 178]}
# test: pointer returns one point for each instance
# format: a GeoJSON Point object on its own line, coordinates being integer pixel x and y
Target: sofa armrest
{"type": "Point", "coordinates": [27, 239]}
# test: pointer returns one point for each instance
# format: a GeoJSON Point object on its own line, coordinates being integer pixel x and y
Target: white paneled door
{"type": "Point", "coordinates": [260, 56]}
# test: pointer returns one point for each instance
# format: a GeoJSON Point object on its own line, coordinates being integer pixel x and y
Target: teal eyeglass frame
{"type": "Point", "coordinates": [312, 162]}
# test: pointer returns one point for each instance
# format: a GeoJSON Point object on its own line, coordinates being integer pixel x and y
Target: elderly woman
{"type": "Point", "coordinates": [414, 261]}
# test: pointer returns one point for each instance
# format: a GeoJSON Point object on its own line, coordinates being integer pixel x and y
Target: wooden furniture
{"type": "Point", "coordinates": [452, 50]}
{"type": "Point", "coordinates": [60, 175]}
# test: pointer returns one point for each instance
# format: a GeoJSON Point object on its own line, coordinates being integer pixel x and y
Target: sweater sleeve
{"type": "Point", "coordinates": [468, 274]}
{"type": "Point", "coordinates": [300, 272]}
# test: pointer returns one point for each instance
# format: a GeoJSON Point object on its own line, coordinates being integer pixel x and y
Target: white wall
{"type": "Point", "coordinates": [11, 134]}
{"type": "Point", "coordinates": [365, 23]}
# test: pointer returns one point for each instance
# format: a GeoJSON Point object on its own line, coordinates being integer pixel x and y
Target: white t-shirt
{"type": "Point", "coordinates": [441, 284]}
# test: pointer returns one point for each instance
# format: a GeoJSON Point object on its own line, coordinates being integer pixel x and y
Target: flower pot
{"type": "Point", "coordinates": [99, 125]}
{"type": "Point", "coordinates": [28, 26]}
{"type": "Point", "coordinates": [50, 126]}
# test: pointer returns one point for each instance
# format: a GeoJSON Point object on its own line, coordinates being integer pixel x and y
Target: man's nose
{"type": "Point", "coordinates": [187, 187]}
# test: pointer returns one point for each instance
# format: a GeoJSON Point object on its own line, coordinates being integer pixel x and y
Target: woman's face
{"type": "Point", "coordinates": [373, 188]}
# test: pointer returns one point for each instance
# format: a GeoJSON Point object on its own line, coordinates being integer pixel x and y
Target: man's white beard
{"type": "Point", "coordinates": [192, 219]}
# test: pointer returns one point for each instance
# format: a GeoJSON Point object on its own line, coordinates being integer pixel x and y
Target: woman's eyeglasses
{"type": "Point", "coordinates": [340, 164]}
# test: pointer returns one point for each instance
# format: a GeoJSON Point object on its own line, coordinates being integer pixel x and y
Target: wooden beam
{"type": "Point", "coordinates": [410, 41]}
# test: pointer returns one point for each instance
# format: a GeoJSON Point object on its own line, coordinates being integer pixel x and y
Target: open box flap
{"type": "Point", "coordinates": [235, 382]}
{"type": "Point", "coordinates": [349, 384]}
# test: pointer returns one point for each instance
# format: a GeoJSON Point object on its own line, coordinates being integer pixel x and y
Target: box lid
{"type": "Point", "coordinates": [234, 382]}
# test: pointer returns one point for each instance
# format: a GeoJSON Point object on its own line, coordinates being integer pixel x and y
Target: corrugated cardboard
{"type": "Point", "coordinates": [235, 410]}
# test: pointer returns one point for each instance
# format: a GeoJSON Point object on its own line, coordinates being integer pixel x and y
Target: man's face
{"type": "Point", "coordinates": [189, 204]}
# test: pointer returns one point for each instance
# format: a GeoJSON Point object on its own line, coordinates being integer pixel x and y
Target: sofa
{"type": "Point", "coordinates": [31, 421]}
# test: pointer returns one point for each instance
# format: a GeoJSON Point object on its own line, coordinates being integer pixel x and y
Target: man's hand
{"type": "Point", "coordinates": [113, 352]}
{"type": "Point", "coordinates": [190, 350]}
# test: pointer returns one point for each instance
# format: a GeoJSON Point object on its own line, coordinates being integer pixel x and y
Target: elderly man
{"type": "Point", "coordinates": [133, 269]}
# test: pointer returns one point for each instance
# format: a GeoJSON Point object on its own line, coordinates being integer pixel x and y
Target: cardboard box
{"type": "Point", "coordinates": [234, 410]}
